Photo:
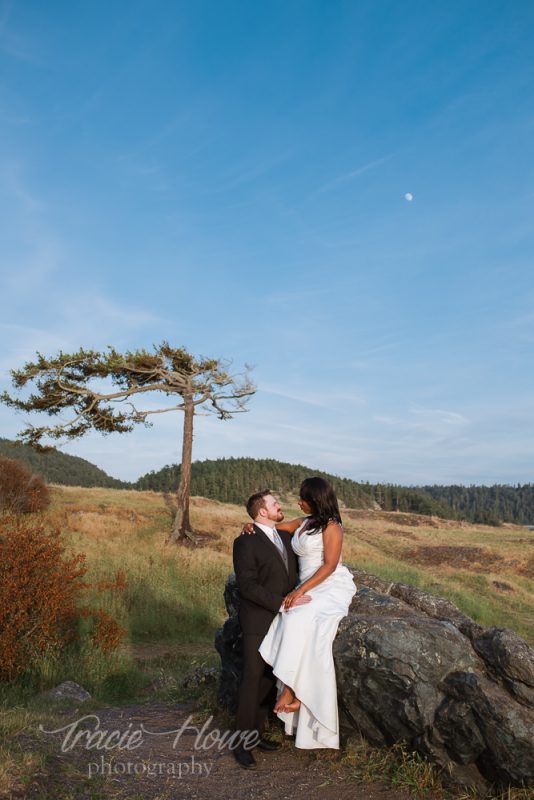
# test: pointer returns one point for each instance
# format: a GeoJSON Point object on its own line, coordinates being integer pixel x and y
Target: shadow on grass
{"type": "Point", "coordinates": [156, 617]}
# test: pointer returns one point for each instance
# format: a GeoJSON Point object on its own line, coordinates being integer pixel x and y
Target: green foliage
{"type": "Point", "coordinates": [232, 480]}
{"type": "Point", "coordinates": [99, 389]}
{"type": "Point", "coordinates": [57, 467]}
{"type": "Point", "coordinates": [489, 505]}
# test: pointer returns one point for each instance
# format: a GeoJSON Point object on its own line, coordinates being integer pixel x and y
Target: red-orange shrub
{"type": "Point", "coordinates": [39, 587]}
{"type": "Point", "coordinates": [107, 633]}
{"type": "Point", "coordinates": [40, 594]}
{"type": "Point", "coordinates": [21, 490]}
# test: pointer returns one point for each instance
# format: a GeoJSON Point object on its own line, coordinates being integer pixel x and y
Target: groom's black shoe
{"type": "Point", "coordinates": [268, 745]}
{"type": "Point", "coordinates": [244, 757]}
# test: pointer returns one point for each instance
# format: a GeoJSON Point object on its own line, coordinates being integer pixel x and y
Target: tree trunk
{"type": "Point", "coordinates": [181, 529]}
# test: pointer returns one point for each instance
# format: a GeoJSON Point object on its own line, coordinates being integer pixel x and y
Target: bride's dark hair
{"type": "Point", "coordinates": [323, 502]}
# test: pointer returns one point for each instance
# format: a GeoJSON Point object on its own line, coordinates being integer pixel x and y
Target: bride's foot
{"type": "Point", "coordinates": [287, 696]}
{"type": "Point", "coordinates": [293, 706]}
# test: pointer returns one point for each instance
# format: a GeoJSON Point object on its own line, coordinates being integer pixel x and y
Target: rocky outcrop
{"type": "Point", "coordinates": [228, 645]}
{"type": "Point", "coordinates": [413, 668]}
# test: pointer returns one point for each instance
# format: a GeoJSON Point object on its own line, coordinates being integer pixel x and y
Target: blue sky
{"type": "Point", "coordinates": [231, 176]}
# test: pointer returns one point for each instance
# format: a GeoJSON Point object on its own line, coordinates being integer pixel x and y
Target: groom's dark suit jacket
{"type": "Point", "coordinates": [262, 578]}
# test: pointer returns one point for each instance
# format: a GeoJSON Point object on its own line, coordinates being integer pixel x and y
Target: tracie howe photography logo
{"type": "Point", "coordinates": [110, 748]}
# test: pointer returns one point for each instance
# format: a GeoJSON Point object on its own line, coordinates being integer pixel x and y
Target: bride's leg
{"type": "Point", "coordinates": [293, 706]}
{"type": "Point", "coordinates": [287, 701]}
{"type": "Point", "coordinates": [287, 696]}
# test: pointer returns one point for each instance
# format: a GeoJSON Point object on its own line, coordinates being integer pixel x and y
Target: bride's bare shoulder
{"type": "Point", "coordinates": [334, 526]}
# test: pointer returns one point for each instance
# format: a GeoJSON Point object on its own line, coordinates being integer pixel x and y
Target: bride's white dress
{"type": "Point", "coordinates": [298, 645]}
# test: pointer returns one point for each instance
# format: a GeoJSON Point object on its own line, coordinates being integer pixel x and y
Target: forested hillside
{"type": "Point", "coordinates": [488, 504]}
{"type": "Point", "coordinates": [232, 480]}
{"type": "Point", "coordinates": [57, 467]}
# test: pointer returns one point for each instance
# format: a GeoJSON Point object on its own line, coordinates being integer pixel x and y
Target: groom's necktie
{"type": "Point", "coordinates": [280, 545]}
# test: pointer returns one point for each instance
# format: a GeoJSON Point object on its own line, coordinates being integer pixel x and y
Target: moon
{"type": "Point", "coordinates": [408, 196]}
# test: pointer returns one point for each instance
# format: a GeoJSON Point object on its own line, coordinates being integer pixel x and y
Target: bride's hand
{"type": "Point", "coordinates": [296, 598]}
{"type": "Point", "coordinates": [248, 528]}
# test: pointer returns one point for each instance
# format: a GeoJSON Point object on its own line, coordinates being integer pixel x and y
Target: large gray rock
{"type": "Point", "coordinates": [413, 668]}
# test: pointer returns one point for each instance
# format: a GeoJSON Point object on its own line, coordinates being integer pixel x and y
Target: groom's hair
{"type": "Point", "coordinates": [255, 502]}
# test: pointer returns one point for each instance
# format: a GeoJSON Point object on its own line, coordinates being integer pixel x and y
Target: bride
{"type": "Point", "coordinates": [298, 644]}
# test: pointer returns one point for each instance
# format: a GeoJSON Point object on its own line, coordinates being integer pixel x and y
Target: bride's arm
{"type": "Point", "coordinates": [291, 525]}
{"type": "Point", "coordinates": [332, 540]}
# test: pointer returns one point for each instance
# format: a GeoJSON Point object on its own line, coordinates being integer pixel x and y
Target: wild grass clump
{"type": "Point", "coordinates": [17, 761]}
{"type": "Point", "coordinates": [175, 597]}
{"type": "Point", "coordinates": [399, 767]}
{"type": "Point", "coordinates": [396, 766]}
{"type": "Point", "coordinates": [396, 572]}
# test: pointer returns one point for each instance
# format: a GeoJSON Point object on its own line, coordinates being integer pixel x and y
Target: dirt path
{"type": "Point", "coordinates": [166, 767]}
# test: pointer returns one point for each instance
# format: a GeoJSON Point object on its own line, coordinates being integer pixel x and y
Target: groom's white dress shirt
{"type": "Point", "coordinates": [274, 537]}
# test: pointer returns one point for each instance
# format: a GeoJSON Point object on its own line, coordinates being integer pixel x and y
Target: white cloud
{"type": "Point", "coordinates": [21, 342]}
{"type": "Point", "coordinates": [351, 174]}
{"type": "Point", "coordinates": [42, 307]}
{"type": "Point", "coordinates": [31, 271]}
{"type": "Point", "coordinates": [431, 420]}
{"type": "Point", "coordinates": [98, 317]}
{"type": "Point", "coordinates": [313, 397]}
{"type": "Point", "coordinates": [440, 447]}
{"type": "Point", "coordinates": [15, 184]}
{"type": "Point", "coordinates": [13, 43]}
{"type": "Point", "coordinates": [75, 320]}
{"type": "Point", "coordinates": [440, 415]}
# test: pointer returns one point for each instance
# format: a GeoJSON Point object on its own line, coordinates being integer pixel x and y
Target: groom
{"type": "Point", "coordinates": [266, 570]}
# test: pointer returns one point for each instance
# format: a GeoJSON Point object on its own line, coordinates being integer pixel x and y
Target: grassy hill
{"type": "Point", "coordinates": [58, 467]}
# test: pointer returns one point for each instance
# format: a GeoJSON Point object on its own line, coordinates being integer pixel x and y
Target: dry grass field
{"type": "Point", "coordinates": [173, 602]}
{"type": "Point", "coordinates": [176, 592]}
{"type": "Point", "coordinates": [488, 572]}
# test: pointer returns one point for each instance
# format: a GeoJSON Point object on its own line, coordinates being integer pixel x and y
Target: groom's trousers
{"type": "Point", "coordinates": [256, 683]}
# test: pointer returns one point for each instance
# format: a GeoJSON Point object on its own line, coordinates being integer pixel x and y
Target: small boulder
{"type": "Point", "coordinates": [201, 676]}
{"type": "Point", "coordinates": [69, 690]}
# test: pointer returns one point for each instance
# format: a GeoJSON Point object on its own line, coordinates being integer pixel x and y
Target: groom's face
{"type": "Point", "coordinates": [272, 509]}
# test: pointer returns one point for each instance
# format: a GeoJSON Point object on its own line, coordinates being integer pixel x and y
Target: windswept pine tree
{"type": "Point", "coordinates": [99, 392]}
